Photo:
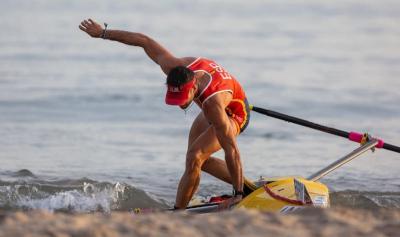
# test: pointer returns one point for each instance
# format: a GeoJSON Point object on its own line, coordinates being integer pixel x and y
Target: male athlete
{"type": "Point", "coordinates": [225, 111]}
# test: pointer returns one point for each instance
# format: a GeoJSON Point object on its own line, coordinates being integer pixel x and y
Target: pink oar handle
{"type": "Point", "coordinates": [357, 137]}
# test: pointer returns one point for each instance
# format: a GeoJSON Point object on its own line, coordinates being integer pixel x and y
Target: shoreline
{"type": "Point", "coordinates": [240, 222]}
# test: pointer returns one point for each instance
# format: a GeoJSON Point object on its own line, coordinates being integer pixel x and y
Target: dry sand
{"type": "Point", "coordinates": [307, 222]}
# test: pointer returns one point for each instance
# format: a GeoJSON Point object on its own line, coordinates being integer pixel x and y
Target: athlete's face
{"type": "Point", "coordinates": [192, 93]}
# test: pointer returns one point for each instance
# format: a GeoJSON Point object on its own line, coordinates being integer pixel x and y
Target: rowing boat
{"type": "Point", "coordinates": [287, 194]}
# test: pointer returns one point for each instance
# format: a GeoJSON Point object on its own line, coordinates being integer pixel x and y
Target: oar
{"type": "Point", "coordinates": [352, 136]}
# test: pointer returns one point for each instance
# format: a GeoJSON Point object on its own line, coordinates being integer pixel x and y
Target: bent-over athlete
{"type": "Point", "coordinates": [224, 110]}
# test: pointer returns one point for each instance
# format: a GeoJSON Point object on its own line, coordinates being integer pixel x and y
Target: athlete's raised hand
{"type": "Point", "coordinates": [92, 28]}
{"type": "Point", "coordinates": [153, 49]}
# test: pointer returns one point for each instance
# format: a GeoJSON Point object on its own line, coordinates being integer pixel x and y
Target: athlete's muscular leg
{"type": "Point", "coordinates": [213, 166]}
{"type": "Point", "coordinates": [199, 151]}
{"type": "Point", "coordinates": [217, 168]}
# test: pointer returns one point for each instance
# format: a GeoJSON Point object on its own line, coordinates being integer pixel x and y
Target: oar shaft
{"type": "Point", "coordinates": [391, 147]}
{"type": "Point", "coordinates": [301, 122]}
{"type": "Point", "coordinates": [349, 135]}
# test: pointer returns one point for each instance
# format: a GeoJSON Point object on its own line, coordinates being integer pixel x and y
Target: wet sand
{"type": "Point", "coordinates": [307, 222]}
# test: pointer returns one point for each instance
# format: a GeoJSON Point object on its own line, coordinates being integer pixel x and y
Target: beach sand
{"type": "Point", "coordinates": [306, 222]}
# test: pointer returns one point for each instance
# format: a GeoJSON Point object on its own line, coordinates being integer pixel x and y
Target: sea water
{"type": "Point", "coordinates": [84, 126]}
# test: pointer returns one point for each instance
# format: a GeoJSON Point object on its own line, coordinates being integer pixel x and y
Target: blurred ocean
{"type": "Point", "coordinates": [84, 120]}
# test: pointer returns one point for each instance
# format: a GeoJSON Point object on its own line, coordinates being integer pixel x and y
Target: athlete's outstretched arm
{"type": "Point", "coordinates": [153, 49]}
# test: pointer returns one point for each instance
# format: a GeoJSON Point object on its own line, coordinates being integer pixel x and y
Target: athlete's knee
{"type": "Point", "coordinates": [194, 160]}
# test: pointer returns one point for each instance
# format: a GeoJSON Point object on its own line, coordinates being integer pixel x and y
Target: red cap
{"type": "Point", "coordinates": [178, 95]}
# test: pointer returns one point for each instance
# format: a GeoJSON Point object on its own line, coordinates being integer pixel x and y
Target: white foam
{"type": "Point", "coordinates": [91, 199]}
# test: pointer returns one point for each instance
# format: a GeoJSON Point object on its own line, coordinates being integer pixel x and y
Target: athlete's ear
{"type": "Point", "coordinates": [195, 86]}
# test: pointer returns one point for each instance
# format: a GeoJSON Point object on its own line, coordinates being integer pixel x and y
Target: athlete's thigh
{"type": "Point", "coordinates": [207, 142]}
{"type": "Point", "coordinates": [202, 147]}
{"type": "Point", "coordinates": [200, 124]}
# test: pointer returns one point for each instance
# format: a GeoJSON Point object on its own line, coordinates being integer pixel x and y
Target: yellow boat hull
{"type": "Point", "coordinates": [285, 194]}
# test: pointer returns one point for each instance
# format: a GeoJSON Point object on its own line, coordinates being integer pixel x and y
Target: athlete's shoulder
{"type": "Point", "coordinates": [169, 63]}
{"type": "Point", "coordinates": [187, 61]}
{"type": "Point", "coordinates": [200, 62]}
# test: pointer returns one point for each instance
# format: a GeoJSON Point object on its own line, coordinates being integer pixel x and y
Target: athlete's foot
{"type": "Point", "coordinates": [230, 203]}
{"type": "Point", "coordinates": [175, 208]}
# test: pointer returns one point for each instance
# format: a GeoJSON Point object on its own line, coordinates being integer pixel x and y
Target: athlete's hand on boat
{"type": "Point", "coordinates": [92, 28]}
{"type": "Point", "coordinates": [229, 203]}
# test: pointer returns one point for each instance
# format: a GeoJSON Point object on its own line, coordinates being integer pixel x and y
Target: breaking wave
{"type": "Point", "coordinates": [80, 195]}
{"type": "Point", "coordinates": [23, 190]}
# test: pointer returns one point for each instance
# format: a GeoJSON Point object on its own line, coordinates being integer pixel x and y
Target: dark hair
{"type": "Point", "coordinates": [179, 75]}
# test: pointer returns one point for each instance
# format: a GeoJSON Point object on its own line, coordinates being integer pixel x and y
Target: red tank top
{"type": "Point", "coordinates": [222, 81]}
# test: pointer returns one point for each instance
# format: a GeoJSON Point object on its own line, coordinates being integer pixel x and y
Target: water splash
{"type": "Point", "coordinates": [70, 196]}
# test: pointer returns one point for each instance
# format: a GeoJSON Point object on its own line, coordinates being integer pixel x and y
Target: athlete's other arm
{"type": "Point", "coordinates": [153, 49]}
{"type": "Point", "coordinates": [214, 110]}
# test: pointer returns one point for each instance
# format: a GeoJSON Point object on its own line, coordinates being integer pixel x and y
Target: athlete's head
{"type": "Point", "coordinates": [181, 87]}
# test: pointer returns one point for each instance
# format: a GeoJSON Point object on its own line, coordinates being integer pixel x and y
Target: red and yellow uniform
{"type": "Point", "coordinates": [222, 81]}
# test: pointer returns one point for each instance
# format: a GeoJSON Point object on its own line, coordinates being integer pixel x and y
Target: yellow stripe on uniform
{"type": "Point", "coordinates": [244, 110]}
